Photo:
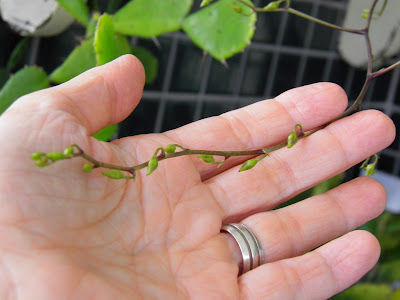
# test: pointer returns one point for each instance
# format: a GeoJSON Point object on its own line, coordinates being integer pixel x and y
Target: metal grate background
{"type": "Point", "coordinates": [286, 52]}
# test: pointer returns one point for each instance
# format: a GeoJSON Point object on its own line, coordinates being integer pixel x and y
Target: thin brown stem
{"type": "Point", "coordinates": [385, 70]}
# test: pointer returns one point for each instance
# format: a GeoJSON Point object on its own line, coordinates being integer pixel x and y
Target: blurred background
{"type": "Point", "coordinates": [286, 52]}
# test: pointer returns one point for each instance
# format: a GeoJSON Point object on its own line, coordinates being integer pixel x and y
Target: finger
{"type": "Point", "coordinates": [310, 223]}
{"type": "Point", "coordinates": [97, 98]}
{"type": "Point", "coordinates": [265, 123]}
{"type": "Point", "coordinates": [287, 172]}
{"type": "Point", "coordinates": [319, 274]}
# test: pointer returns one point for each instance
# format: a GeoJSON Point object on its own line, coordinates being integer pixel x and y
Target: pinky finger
{"type": "Point", "coordinates": [319, 274]}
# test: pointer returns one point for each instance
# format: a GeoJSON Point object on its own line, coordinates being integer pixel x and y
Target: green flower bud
{"type": "Point", "coordinates": [152, 165]}
{"type": "Point", "coordinates": [272, 6]}
{"type": "Point", "coordinates": [54, 156]}
{"type": "Point", "coordinates": [68, 151]}
{"type": "Point", "coordinates": [365, 13]}
{"type": "Point", "coordinates": [370, 170]}
{"type": "Point", "coordinates": [236, 8]}
{"type": "Point", "coordinates": [210, 159]}
{"type": "Point", "coordinates": [87, 168]}
{"type": "Point", "coordinates": [37, 155]}
{"type": "Point", "coordinates": [292, 139]}
{"type": "Point", "coordinates": [170, 148]}
{"type": "Point", "coordinates": [205, 2]}
{"type": "Point", "coordinates": [114, 174]}
{"type": "Point", "coordinates": [248, 165]}
{"type": "Point", "coordinates": [41, 164]}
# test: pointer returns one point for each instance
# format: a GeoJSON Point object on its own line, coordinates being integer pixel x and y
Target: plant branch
{"type": "Point", "coordinates": [293, 11]}
{"type": "Point", "coordinates": [318, 21]}
{"type": "Point", "coordinates": [168, 152]}
{"type": "Point", "coordinates": [385, 70]}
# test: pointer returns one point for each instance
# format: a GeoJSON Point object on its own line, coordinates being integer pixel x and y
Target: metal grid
{"type": "Point", "coordinates": [286, 52]}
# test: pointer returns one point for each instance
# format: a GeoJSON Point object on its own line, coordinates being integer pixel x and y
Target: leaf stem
{"type": "Point", "coordinates": [318, 21]}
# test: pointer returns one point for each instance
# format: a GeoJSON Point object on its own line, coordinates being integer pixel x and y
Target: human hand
{"type": "Point", "coordinates": [66, 234]}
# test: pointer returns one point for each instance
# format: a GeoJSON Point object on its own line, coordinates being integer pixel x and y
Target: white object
{"type": "Point", "coordinates": [384, 33]}
{"type": "Point", "coordinates": [35, 17]}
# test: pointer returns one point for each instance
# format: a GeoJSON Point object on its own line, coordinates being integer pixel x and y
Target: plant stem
{"type": "Point", "coordinates": [385, 70]}
{"type": "Point", "coordinates": [302, 15]}
{"type": "Point", "coordinates": [318, 21]}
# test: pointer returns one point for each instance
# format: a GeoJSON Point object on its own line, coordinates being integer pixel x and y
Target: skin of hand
{"type": "Point", "coordinates": [65, 234]}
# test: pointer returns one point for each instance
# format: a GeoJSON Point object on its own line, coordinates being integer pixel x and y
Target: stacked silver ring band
{"type": "Point", "coordinates": [252, 253]}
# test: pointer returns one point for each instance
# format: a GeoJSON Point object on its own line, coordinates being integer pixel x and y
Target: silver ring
{"type": "Point", "coordinates": [250, 247]}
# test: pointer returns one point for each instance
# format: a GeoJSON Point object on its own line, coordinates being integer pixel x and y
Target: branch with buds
{"type": "Point", "coordinates": [170, 151]}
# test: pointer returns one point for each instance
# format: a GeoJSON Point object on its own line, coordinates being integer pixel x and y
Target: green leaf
{"type": "Point", "coordinates": [77, 8]}
{"type": "Point", "coordinates": [107, 45]}
{"type": "Point", "coordinates": [25, 81]}
{"type": "Point", "coordinates": [219, 30]}
{"type": "Point", "coordinates": [150, 18]}
{"type": "Point", "coordinates": [18, 54]}
{"type": "Point", "coordinates": [150, 63]}
{"type": "Point", "coordinates": [82, 58]}
{"type": "Point", "coordinates": [364, 291]}
{"type": "Point", "coordinates": [106, 133]}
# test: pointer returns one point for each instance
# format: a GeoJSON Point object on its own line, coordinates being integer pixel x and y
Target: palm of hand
{"type": "Point", "coordinates": [105, 239]}
{"type": "Point", "coordinates": [68, 234]}
{"type": "Point", "coordinates": [88, 237]}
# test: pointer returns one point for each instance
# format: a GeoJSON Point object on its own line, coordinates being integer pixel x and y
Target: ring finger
{"type": "Point", "coordinates": [296, 229]}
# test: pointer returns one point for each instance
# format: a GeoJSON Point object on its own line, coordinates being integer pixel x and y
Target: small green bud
{"type": "Point", "coordinates": [210, 159]}
{"type": "Point", "coordinates": [41, 163]}
{"type": "Point", "coordinates": [114, 174]}
{"type": "Point", "coordinates": [152, 165]}
{"type": "Point", "coordinates": [272, 6]}
{"type": "Point", "coordinates": [248, 165]}
{"type": "Point", "coordinates": [292, 139]}
{"type": "Point", "coordinates": [207, 158]}
{"type": "Point", "coordinates": [205, 2]}
{"type": "Point", "coordinates": [365, 14]}
{"type": "Point", "coordinates": [87, 168]}
{"type": "Point", "coordinates": [370, 170]}
{"type": "Point", "coordinates": [54, 156]}
{"type": "Point", "coordinates": [170, 148]}
{"type": "Point", "coordinates": [68, 151]}
{"type": "Point", "coordinates": [236, 8]}
{"type": "Point", "coordinates": [37, 155]}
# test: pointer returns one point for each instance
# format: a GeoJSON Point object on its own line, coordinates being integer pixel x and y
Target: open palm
{"type": "Point", "coordinates": [70, 235]}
